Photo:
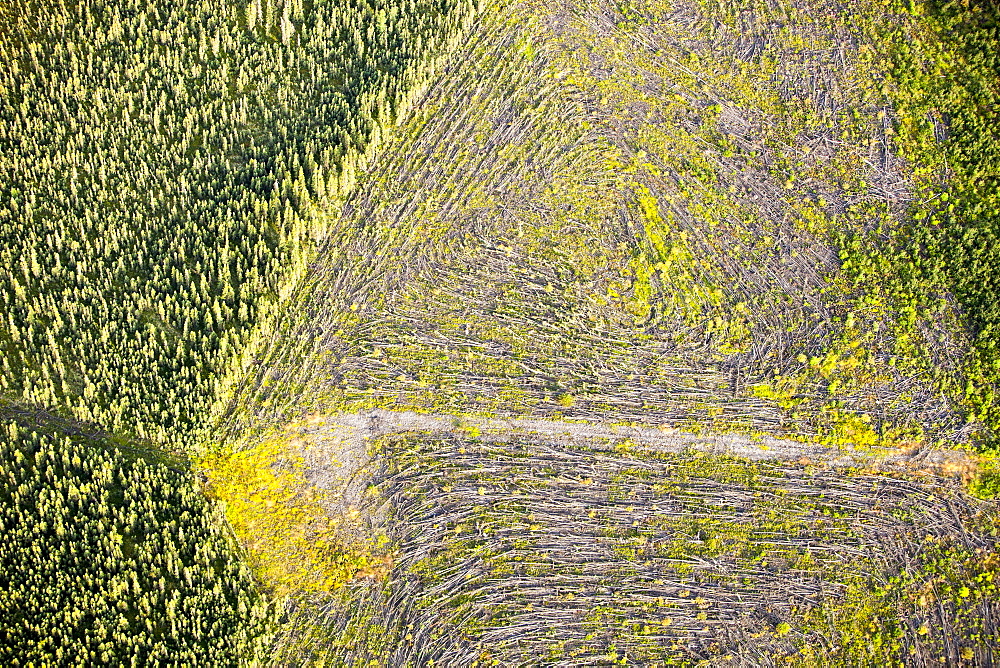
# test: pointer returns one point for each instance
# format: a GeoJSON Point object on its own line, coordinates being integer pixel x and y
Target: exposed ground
{"type": "Point", "coordinates": [338, 457]}
{"type": "Point", "coordinates": [600, 361]}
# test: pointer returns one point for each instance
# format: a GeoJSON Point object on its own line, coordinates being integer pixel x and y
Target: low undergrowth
{"type": "Point", "coordinates": [931, 610]}
{"type": "Point", "coordinates": [294, 543]}
{"type": "Point", "coordinates": [943, 83]}
{"type": "Point", "coordinates": [757, 222]}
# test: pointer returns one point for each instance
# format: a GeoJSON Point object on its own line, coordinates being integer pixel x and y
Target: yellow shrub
{"type": "Point", "coordinates": [293, 542]}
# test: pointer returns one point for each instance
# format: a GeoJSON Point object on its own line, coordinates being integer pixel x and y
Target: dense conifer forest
{"type": "Point", "coordinates": [168, 169]}
{"type": "Point", "coordinates": [111, 559]}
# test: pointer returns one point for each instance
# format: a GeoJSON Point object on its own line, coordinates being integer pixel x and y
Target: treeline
{"type": "Point", "coordinates": [164, 172]}
{"type": "Point", "coordinates": [110, 561]}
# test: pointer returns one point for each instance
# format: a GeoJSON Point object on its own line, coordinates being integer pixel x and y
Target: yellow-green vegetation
{"type": "Point", "coordinates": [985, 482]}
{"type": "Point", "coordinates": [651, 220]}
{"type": "Point", "coordinates": [941, 77]}
{"type": "Point", "coordinates": [169, 169]}
{"type": "Point", "coordinates": [111, 559]}
{"type": "Point", "coordinates": [655, 212]}
{"type": "Point", "coordinates": [295, 543]}
{"type": "Point", "coordinates": [930, 612]}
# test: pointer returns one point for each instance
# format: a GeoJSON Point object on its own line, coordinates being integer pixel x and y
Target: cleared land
{"type": "Point", "coordinates": [608, 236]}
{"type": "Point", "coordinates": [344, 442]}
{"type": "Point", "coordinates": [575, 225]}
{"type": "Point", "coordinates": [577, 549]}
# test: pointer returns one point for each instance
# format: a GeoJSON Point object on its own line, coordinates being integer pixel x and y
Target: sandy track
{"type": "Point", "coordinates": [338, 453]}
